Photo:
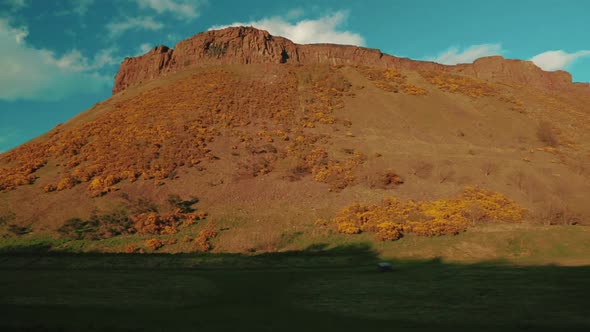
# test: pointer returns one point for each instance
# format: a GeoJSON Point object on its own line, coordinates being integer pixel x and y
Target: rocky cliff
{"type": "Point", "coordinates": [247, 45]}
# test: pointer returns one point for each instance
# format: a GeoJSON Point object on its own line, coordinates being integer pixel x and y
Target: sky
{"type": "Point", "coordinates": [59, 57]}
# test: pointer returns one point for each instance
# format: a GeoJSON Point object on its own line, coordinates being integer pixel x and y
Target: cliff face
{"type": "Point", "coordinates": [246, 45]}
{"type": "Point", "coordinates": [134, 71]}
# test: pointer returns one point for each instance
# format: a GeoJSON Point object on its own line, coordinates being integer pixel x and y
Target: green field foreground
{"type": "Point", "coordinates": [327, 290]}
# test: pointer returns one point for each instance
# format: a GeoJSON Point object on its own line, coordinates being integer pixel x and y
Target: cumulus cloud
{"type": "Point", "coordinates": [557, 60]}
{"type": "Point", "coordinates": [74, 61]}
{"type": "Point", "coordinates": [179, 8]}
{"type": "Point", "coordinates": [454, 55]}
{"type": "Point", "coordinates": [116, 28]}
{"type": "Point", "coordinates": [38, 74]}
{"type": "Point", "coordinates": [325, 29]}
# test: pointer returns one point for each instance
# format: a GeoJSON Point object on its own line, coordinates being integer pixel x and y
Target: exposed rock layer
{"type": "Point", "coordinates": [246, 45]}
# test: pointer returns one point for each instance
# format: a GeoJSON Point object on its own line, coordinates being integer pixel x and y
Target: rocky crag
{"type": "Point", "coordinates": [247, 45]}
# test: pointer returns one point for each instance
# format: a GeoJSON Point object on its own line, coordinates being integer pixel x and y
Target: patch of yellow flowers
{"type": "Point", "coordinates": [391, 219]}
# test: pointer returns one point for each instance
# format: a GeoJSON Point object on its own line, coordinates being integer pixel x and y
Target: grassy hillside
{"type": "Point", "coordinates": [268, 150]}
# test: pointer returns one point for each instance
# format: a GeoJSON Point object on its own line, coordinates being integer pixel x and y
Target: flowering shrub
{"type": "Point", "coordinates": [391, 219]}
{"type": "Point", "coordinates": [150, 136]}
{"type": "Point", "coordinates": [156, 223]}
{"type": "Point", "coordinates": [24, 162]}
{"type": "Point", "coordinates": [202, 241]}
{"type": "Point", "coordinates": [130, 249]}
{"type": "Point", "coordinates": [389, 231]}
{"type": "Point", "coordinates": [146, 220]}
{"type": "Point", "coordinates": [154, 244]}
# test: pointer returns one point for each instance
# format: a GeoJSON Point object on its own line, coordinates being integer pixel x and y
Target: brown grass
{"type": "Point", "coordinates": [546, 134]}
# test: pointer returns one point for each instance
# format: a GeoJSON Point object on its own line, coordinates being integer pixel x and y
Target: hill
{"type": "Point", "coordinates": [236, 140]}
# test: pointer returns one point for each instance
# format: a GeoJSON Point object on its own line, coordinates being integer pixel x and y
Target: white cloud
{"type": "Point", "coordinates": [77, 7]}
{"type": "Point", "coordinates": [144, 48]}
{"type": "Point", "coordinates": [454, 55]}
{"type": "Point", "coordinates": [322, 30]}
{"type": "Point", "coordinates": [38, 74]}
{"type": "Point", "coordinates": [103, 58]}
{"type": "Point", "coordinates": [557, 60]}
{"type": "Point", "coordinates": [294, 14]}
{"type": "Point", "coordinates": [19, 33]}
{"type": "Point", "coordinates": [74, 61]}
{"type": "Point", "coordinates": [16, 4]}
{"type": "Point", "coordinates": [138, 23]}
{"type": "Point", "coordinates": [81, 6]}
{"type": "Point", "coordinates": [172, 37]}
{"type": "Point", "coordinates": [180, 8]}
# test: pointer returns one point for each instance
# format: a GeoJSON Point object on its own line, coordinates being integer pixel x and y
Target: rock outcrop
{"type": "Point", "coordinates": [247, 45]}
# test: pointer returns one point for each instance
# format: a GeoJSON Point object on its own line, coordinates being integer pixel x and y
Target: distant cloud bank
{"type": "Point", "coordinates": [38, 74]}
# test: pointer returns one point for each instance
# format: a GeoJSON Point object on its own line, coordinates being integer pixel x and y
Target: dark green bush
{"type": "Point", "coordinates": [97, 227]}
{"type": "Point", "coordinates": [185, 206]}
{"type": "Point", "coordinates": [19, 230]}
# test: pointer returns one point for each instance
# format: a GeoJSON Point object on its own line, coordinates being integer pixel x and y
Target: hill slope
{"type": "Point", "coordinates": [271, 136]}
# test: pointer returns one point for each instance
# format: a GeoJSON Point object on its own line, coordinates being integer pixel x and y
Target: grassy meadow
{"type": "Point", "coordinates": [315, 289]}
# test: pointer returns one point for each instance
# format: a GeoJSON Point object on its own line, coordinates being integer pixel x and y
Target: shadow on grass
{"type": "Point", "coordinates": [316, 256]}
{"type": "Point", "coordinates": [316, 289]}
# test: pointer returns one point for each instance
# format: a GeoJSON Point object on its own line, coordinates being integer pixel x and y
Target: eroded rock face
{"type": "Point", "coordinates": [134, 71]}
{"type": "Point", "coordinates": [246, 45]}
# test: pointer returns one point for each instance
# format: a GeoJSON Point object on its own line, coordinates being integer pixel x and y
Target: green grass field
{"type": "Point", "coordinates": [335, 290]}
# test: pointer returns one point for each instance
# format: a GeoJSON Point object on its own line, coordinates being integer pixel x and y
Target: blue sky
{"type": "Point", "coordinates": [58, 58]}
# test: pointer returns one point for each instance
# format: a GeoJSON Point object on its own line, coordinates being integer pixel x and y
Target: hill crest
{"type": "Point", "coordinates": [248, 45]}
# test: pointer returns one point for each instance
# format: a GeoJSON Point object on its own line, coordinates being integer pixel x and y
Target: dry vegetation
{"type": "Point", "coordinates": [137, 217]}
{"type": "Point", "coordinates": [546, 134]}
{"type": "Point", "coordinates": [391, 80]}
{"type": "Point", "coordinates": [151, 136]}
{"type": "Point", "coordinates": [203, 240]}
{"type": "Point", "coordinates": [391, 219]}
{"type": "Point", "coordinates": [460, 84]}
{"type": "Point", "coordinates": [224, 127]}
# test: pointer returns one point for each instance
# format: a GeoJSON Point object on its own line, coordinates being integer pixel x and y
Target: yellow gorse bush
{"type": "Point", "coordinates": [154, 244]}
{"type": "Point", "coordinates": [152, 135]}
{"type": "Point", "coordinates": [391, 219]}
